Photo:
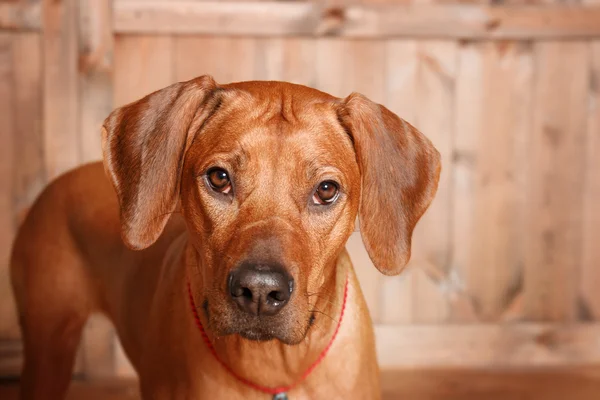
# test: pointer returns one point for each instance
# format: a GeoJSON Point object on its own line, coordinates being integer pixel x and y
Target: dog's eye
{"type": "Point", "coordinates": [326, 193]}
{"type": "Point", "coordinates": [218, 180]}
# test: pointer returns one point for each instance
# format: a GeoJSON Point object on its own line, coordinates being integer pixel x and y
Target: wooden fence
{"type": "Point", "coordinates": [506, 263]}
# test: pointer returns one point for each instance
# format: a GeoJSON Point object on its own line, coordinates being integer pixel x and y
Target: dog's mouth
{"type": "Point", "coordinates": [287, 329]}
{"type": "Point", "coordinates": [256, 335]}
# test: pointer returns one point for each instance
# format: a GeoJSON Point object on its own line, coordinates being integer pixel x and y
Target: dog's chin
{"type": "Point", "coordinates": [265, 333]}
{"type": "Point", "coordinates": [256, 335]}
{"type": "Point", "coordinates": [287, 329]}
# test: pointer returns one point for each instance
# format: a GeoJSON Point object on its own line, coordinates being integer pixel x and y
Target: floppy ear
{"type": "Point", "coordinates": [144, 144]}
{"type": "Point", "coordinates": [399, 169]}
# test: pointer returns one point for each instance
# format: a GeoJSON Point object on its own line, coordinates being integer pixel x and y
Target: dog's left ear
{"type": "Point", "coordinates": [144, 144]}
{"type": "Point", "coordinates": [399, 169]}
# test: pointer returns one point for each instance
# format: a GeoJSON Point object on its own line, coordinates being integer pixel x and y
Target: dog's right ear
{"type": "Point", "coordinates": [144, 144]}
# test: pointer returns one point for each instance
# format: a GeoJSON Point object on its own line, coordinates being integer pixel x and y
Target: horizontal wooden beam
{"type": "Point", "coordinates": [488, 346]}
{"type": "Point", "coordinates": [271, 18]}
{"type": "Point", "coordinates": [22, 16]}
{"type": "Point", "coordinates": [506, 346]}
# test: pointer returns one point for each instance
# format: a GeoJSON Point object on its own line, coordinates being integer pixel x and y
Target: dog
{"type": "Point", "coordinates": [212, 235]}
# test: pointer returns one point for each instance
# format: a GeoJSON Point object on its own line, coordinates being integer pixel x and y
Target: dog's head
{"type": "Point", "coordinates": [269, 177]}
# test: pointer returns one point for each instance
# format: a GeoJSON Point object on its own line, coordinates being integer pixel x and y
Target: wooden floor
{"type": "Point", "coordinates": [575, 384]}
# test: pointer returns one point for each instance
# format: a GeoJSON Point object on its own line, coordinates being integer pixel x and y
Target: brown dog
{"type": "Point", "coordinates": [246, 193]}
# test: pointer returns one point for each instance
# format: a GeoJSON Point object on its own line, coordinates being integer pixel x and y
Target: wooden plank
{"type": "Point", "coordinates": [271, 18]}
{"type": "Point", "coordinates": [437, 64]}
{"type": "Point", "coordinates": [526, 345]}
{"type": "Point", "coordinates": [493, 121]}
{"type": "Point", "coordinates": [20, 15]}
{"type": "Point", "coordinates": [241, 60]}
{"type": "Point", "coordinates": [590, 271]}
{"type": "Point", "coordinates": [364, 72]}
{"type": "Point", "coordinates": [269, 59]}
{"type": "Point", "coordinates": [22, 140]}
{"type": "Point", "coordinates": [555, 183]}
{"type": "Point", "coordinates": [60, 104]}
{"type": "Point", "coordinates": [95, 80]}
{"type": "Point", "coordinates": [420, 89]}
{"type": "Point", "coordinates": [96, 98]}
{"type": "Point", "coordinates": [30, 178]}
{"type": "Point", "coordinates": [299, 61]}
{"type": "Point", "coordinates": [556, 383]}
{"type": "Point", "coordinates": [330, 65]}
{"type": "Point", "coordinates": [401, 75]}
{"type": "Point", "coordinates": [142, 64]}
{"type": "Point", "coordinates": [8, 327]}
{"type": "Point", "coordinates": [199, 55]}
{"type": "Point", "coordinates": [226, 59]}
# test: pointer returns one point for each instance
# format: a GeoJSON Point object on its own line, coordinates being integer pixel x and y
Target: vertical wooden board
{"type": "Point", "coordinates": [299, 61]}
{"type": "Point", "coordinates": [201, 55]}
{"type": "Point", "coordinates": [364, 68]}
{"type": "Point", "coordinates": [331, 64]}
{"type": "Point", "coordinates": [60, 105]}
{"type": "Point", "coordinates": [590, 272]}
{"type": "Point", "coordinates": [468, 123]}
{"type": "Point", "coordinates": [21, 140]}
{"type": "Point", "coordinates": [227, 59]}
{"type": "Point", "coordinates": [30, 178]}
{"type": "Point", "coordinates": [142, 64]}
{"type": "Point", "coordinates": [96, 98]}
{"type": "Point", "coordinates": [398, 296]}
{"type": "Point", "coordinates": [493, 121]}
{"type": "Point", "coordinates": [434, 95]}
{"type": "Point", "coordinates": [364, 71]}
{"type": "Point", "coordinates": [7, 123]}
{"type": "Point", "coordinates": [269, 59]}
{"type": "Point", "coordinates": [241, 59]}
{"type": "Point", "coordinates": [555, 181]}
{"type": "Point", "coordinates": [95, 79]}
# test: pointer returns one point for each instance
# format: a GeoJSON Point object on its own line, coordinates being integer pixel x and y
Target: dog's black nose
{"type": "Point", "coordinates": [260, 288]}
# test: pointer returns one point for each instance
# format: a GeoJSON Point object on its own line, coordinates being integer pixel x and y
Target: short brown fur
{"type": "Point", "coordinates": [125, 238]}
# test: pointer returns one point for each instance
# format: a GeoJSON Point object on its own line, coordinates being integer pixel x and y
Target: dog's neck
{"type": "Point", "coordinates": [272, 363]}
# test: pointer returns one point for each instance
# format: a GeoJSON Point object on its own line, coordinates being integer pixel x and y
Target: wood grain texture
{"type": "Point", "coordinates": [142, 64]}
{"type": "Point", "coordinates": [20, 15]}
{"type": "Point", "coordinates": [226, 59]}
{"type": "Point", "coordinates": [30, 176]}
{"type": "Point", "coordinates": [421, 89]}
{"type": "Point", "coordinates": [61, 94]}
{"type": "Point", "coordinates": [195, 56]}
{"type": "Point", "coordinates": [493, 122]}
{"type": "Point", "coordinates": [435, 85]}
{"type": "Point", "coordinates": [270, 18]}
{"type": "Point", "coordinates": [364, 72]}
{"type": "Point", "coordinates": [590, 271]}
{"type": "Point", "coordinates": [269, 59]}
{"type": "Point", "coordinates": [96, 71]}
{"type": "Point", "coordinates": [22, 173]}
{"type": "Point", "coordinates": [555, 181]}
{"type": "Point", "coordinates": [401, 75]}
{"type": "Point", "coordinates": [522, 345]}
{"type": "Point", "coordinates": [330, 64]}
{"type": "Point", "coordinates": [299, 61]}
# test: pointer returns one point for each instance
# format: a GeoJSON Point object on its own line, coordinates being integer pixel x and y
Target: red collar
{"type": "Point", "coordinates": [260, 388]}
